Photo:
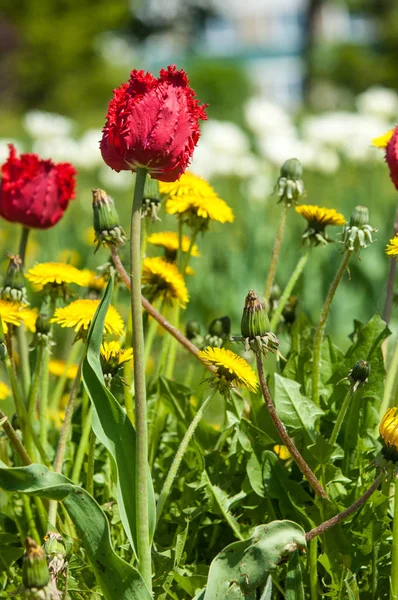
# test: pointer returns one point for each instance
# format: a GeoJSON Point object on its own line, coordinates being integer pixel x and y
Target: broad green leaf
{"type": "Point", "coordinates": [116, 578]}
{"type": "Point", "coordinates": [298, 413]}
{"type": "Point", "coordinates": [221, 503]}
{"type": "Point", "coordinates": [243, 567]}
{"type": "Point", "coordinates": [113, 427]}
{"type": "Point", "coordinates": [294, 581]}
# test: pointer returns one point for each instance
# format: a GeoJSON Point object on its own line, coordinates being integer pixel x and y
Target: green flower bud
{"type": "Point", "coordinates": [106, 220]}
{"type": "Point", "coordinates": [254, 321]}
{"type": "Point", "coordinates": [290, 186]}
{"type": "Point", "coordinates": [192, 329]}
{"type": "Point", "coordinates": [151, 199]}
{"type": "Point", "coordinates": [35, 572]}
{"type": "Point", "coordinates": [358, 233]}
{"type": "Point", "coordinates": [360, 372]}
{"type": "Point", "coordinates": [54, 547]}
{"type": "Point", "coordinates": [14, 288]}
{"type": "Point", "coordinates": [220, 327]}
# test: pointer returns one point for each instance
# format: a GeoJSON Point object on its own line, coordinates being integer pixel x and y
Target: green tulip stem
{"type": "Point", "coordinates": [143, 542]}
{"type": "Point", "coordinates": [288, 290]}
{"type": "Point", "coordinates": [275, 254]}
{"type": "Point", "coordinates": [171, 475]}
{"type": "Point", "coordinates": [316, 366]}
{"type": "Point", "coordinates": [340, 417]}
{"type": "Point", "coordinates": [23, 242]}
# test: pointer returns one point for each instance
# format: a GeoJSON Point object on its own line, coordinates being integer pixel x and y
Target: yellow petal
{"type": "Point", "coordinates": [382, 140]}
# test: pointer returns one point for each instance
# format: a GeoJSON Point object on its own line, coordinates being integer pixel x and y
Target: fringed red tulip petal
{"type": "Point", "coordinates": [152, 123]}
{"type": "Point", "coordinates": [35, 192]}
{"type": "Point", "coordinates": [392, 157]}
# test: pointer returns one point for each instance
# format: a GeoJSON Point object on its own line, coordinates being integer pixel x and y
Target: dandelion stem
{"type": "Point", "coordinates": [171, 475]}
{"type": "Point", "coordinates": [90, 464]}
{"type": "Point", "coordinates": [23, 348]}
{"type": "Point", "coordinates": [44, 396]}
{"type": "Point", "coordinates": [82, 448]}
{"type": "Point", "coordinates": [63, 438]}
{"type": "Point", "coordinates": [288, 290]}
{"type": "Point", "coordinates": [151, 310]}
{"type": "Point", "coordinates": [281, 429]}
{"type": "Point", "coordinates": [340, 417]}
{"type": "Point", "coordinates": [320, 529]}
{"type": "Point", "coordinates": [33, 392]}
{"type": "Point", "coordinates": [313, 568]}
{"type": "Point", "coordinates": [322, 324]}
{"type": "Point", "coordinates": [275, 254]}
{"type": "Point", "coordinates": [390, 281]}
{"type": "Point", "coordinates": [143, 542]}
{"type": "Point", "coordinates": [394, 557]}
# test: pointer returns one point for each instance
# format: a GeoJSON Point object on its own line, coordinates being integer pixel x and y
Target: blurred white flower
{"type": "Point", "coordinates": [259, 188]}
{"type": "Point", "coordinates": [89, 151]}
{"type": "Point", "coordinates": [379, 102]}
{"type": "Point", "coordinates": [39, 124]}
{"type": "Point", "coordinates": [117, 181]}
{"type": "Point", "coordinates": [224, 136]}
{"type": "Point", "coordinates": [279, 148]}
{"type": "Point", "coordinates": [4, 149]}
{"type": "Point", "coordinates": [59, 149]}
{"type": "Point", "coordinates": [264, 117]}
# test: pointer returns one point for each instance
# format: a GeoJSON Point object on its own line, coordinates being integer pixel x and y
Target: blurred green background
{"type": "Point", "coordinates": [304, 62]}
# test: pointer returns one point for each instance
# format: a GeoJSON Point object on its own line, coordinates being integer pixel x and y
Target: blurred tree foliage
{"type": "Point", "coordinates": [358, 66]}
{"type": "Point", "coordinates": [48, 54]}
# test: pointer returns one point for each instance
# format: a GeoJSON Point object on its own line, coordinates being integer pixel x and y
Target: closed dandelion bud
{"type": "Point", "coordinates": [359, 373]}
{"type": "Point", "coordinates": [220, 327]}
{"type": "Point", "coordinates": [290, 186]}
{"type": "Point", "coordinates": [358, 233]}
{"type": "Point", "coordinates": [192, 329]}
{"type": "Point", "coordinates": [54, 547]}
{"type": "Point", "coordinates": [151, 199]}
{"type": "Point", "coordinates": [255, 321]}
{"type": "Point", "coordinates": [35, 572]}
{"type": "Point", "coordinates": [106, 220]}
{"type": "Point", "coordinates": [360, 216]}
{"type": "Point", "coordinates": [14, 288]}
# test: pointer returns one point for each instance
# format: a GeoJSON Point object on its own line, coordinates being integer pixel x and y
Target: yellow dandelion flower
{"type": "Point", "coordinates": [54, 274]}
{"type": "Point", "coordinates": [58, 368]}
{"type": "Point", "coordinates": [389, 433]}
{"type": "Point", "coordinates": [382, 140]}
{"type": "Point", "coordinates": [10, 313]}
{"type": "Point", "coordinates": [318, 218]}
{"type": "Point", "coordinates": [29, 317]}
{"type": "Point", "coordinates": [282, 452]}
{"type": "Point", "coordinates": [392, 247]}
{"type": "Point", "coordinates": [192, 197]}
{"type": "Point", "coordinates": [93, 280]}
{"type": "Point", "coordinates": [230, 368]}
{"type": "Point", "coordinates": [79, 314]}
{"type": "Point", "coordinates": [112, 351]}
{"type": "Point", "coordinates": [162, 278]}
{"type": "Point", "coordinates": [169, 241]}
{"type": "Point", "coordinates": [320, 215]}
{"type": "Point", "coordinates": [4, 391]}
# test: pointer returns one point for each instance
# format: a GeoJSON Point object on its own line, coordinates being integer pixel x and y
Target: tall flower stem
{"type": "Point", "coordinates": [340, 417]}
{"type": "Point", "coordinates": [394, 558]}
{"type": "Point", "coordinates": [313, 568]}
{"type": "Point", "coordinates": [316, 367]}
{"type": "Point", "coordinates": [283, 434]}
{"type": "Point", "coordinates": [23, 348]}
{"type": "Point", "coordinates": [275, 254]}
{"type": "Point", "coordinates": [33, 392]}
{"type": "Point", "coordinates": [60, 386]}
{"type": "Point", "coordinates": [171, 475]}
{"type": "Point", "coordinates": [90, 464]}
{"type": "Point", "coordinates": [288, 290]}
{"type": "Point", "coordinates": [320, 529]}
{"type": "Point", "coordinates": [390, 281]}
{"type": "Point", "coordinates": [23, 242]}
{"type": "Point", "coordinates": [63, 438]}
{"type": "Point", "coordinates": [83, 447]}
{"type": "Point", "coordinates": [143, 543]}
{"type": "Point", "coordinates": [390, 381]}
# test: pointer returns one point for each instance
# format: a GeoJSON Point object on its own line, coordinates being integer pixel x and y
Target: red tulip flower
{"type": "Point", "coordinates": [392, 157]}
{"type": "Point", "coordinates": [35, 192]}
{"type": "Point", "coordinates": [152, 123]}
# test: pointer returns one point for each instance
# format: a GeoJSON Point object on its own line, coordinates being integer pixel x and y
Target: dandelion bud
{"type": "Point", "coordinates": [14, 288]}
{"type": "Point", "coordinates": [35, 572]}
{"type": "Point", "coordinates": [255, 321]}
{"type": "Point", "coordinates": [219, 330]}
{"type": "Point", "coordinates": [192, 329]}
{"type": "Point", "coordinates": [290, 186]}
{"type": "Point", "coordinates": [359, 217]}
{"type": "Point", "coordinates": [151, 199]}
{"type": "Point", "coordinates": [106, 220]}
{"type": "Point", "coordinates": [54, 547]}
{"type": "Point", "coordinates": [358, 233]}
{"type": "Point", "coordinates": [359, 373]}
